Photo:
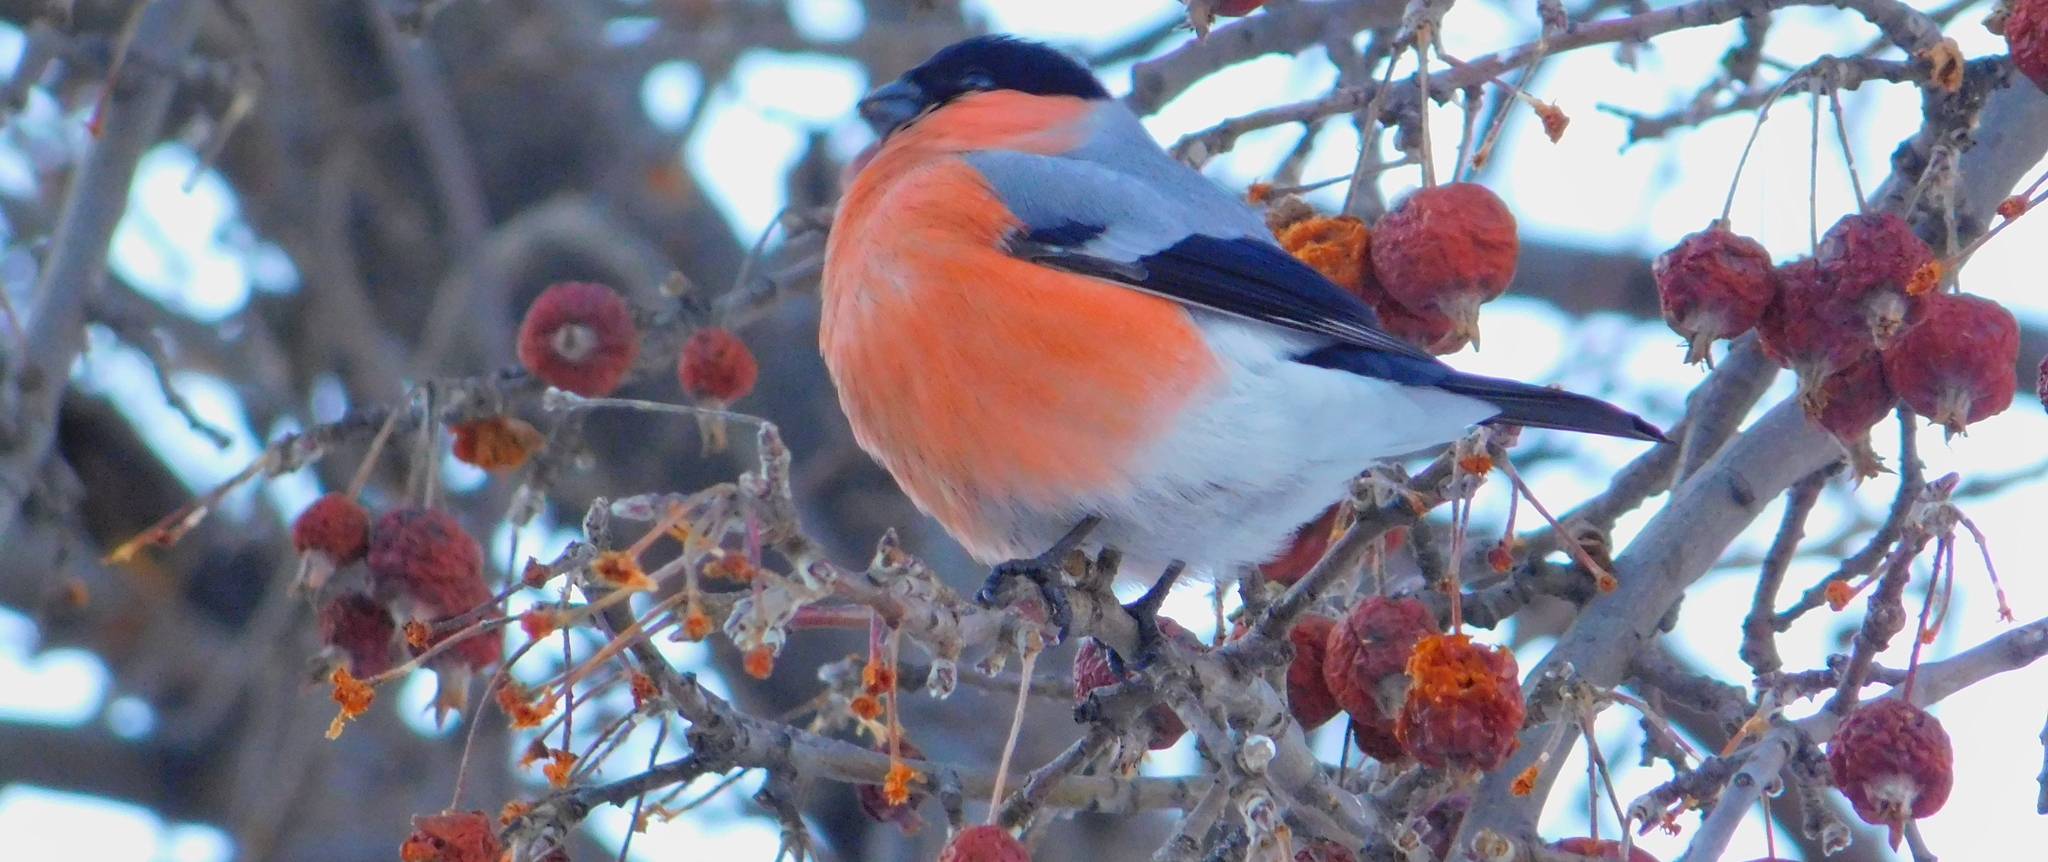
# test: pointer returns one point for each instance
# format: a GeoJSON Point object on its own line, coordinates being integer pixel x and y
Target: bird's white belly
{"type": "Point", "coordinates": [1269, 449]}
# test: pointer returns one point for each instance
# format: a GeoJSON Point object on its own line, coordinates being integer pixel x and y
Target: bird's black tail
{"type": "Point", "coordinates": [1542, 407]}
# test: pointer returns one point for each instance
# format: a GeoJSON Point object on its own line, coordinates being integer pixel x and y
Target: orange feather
{"type": "Point", "coordinates": [977, 379]}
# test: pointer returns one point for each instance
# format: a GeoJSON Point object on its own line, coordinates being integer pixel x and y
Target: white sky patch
{"type": "Point", "coordinates": [123, 375]}
{"type": "Point", "coordinates": [668, 92]}
{"type": "Point", "coordinates": [416, 704]}
{"type": "Point", "coordinates": [169, 243]}
{"type": "Point", "coordinates": [804, 88]}
{"type": "Point", "coordinates": [723, 823]}
{"type": "Point", "coordinates": [827, 20]}
{"type": "Point", "coordinates": [1092, 24]}
{"type": "Point", "coordinates": [61, 686]}
{"type": "Point", "coordinates": [753, 132]}
{"type": "Point", "coordinates": [100, 830]}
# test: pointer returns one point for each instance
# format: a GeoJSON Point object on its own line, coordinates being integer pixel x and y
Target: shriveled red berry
{"type": "Point", "coordinates": [1808, 329]}
{"type": "Point", "coordinates": [453, 836]}
{"type": "Point", "coordinates": [1600, 848]}
{"type": "Point", "coordinates": [1464, 704]}
{"type": "Point", "coordinates": [1447, 248]}
{"type": "Point", "coordinates": [1853, 400]}
{"type": "Point", "coordinates": [1308, 693]}
{"type": "Point", "coordinates": [362, 630]}
{"type": "Point", "coordinates": [1893, 761]}
{"type": "Point", "coordinates": [2041, 383]}
{"type": "Point", "coordinates": [1324, 850]}
{"type": "Point", "coordinates": [335, 525]}
{"type": "Point", "coordinates": [1365, 662]}
{"type": "Point", "coordinates": [476, 651]}
{"type": "Point", "coordinates": [1303, 550]}
{"type": "Point", "coordinates": [984, 843]}
{"type": "Point", "coordinates": [579, 337]}
{"type": "Point", "coordinates": [1092, 671]}
{"type": "Point", "coordinates": [1430, 329]}
{"type": "Point", "coordinates": [1870, 260]}
{"type": "Point", "coordinates": [1714, 284]}
{"type": "Point", "coordinates": [1237, 8]}
{"type": "Point", "coordinates": [1956, 366]}
{"type": "Point", "coordinates": [2026, 36]}
{"type": "Point", "coordinates": [424, 556]}
{"type": "Point", "coordinates": [875, 805]}
{"type": "Point", "coordinates": [716, 365]}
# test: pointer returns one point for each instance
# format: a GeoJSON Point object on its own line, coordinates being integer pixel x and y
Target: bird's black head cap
{"type": "Point", "coordinates": [975, 65]}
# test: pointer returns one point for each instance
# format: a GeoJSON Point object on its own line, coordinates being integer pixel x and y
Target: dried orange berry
{"type": "Point", "coordinates": [1525, 781]}
{"type": "Point", "coordinates": [729, 565]}
{"type": "Point", "coordinates": [1925, 278]}
{"type": "Point", "coordinates": [896, 804]}
{"type": "Point", "coordinates": [643, 688]}
{"type": "Point", "coordinates": [619, 569]}
{"type": "Point", "coordinates": [580, 338]}
{"type": "Point", "coordinates": [452, 836]}
{"type": "Point", "coordinates": [536, 574]}
{"type": "Point", "coordinates": [1501, 557]}
{"type": "Point", "coordinates": [1554, 120]}
{"type": "Point", "coordinates": [1464, 704]}
{"type": "Point", "coordinates": [716, 366]}
{"type": "Point", "coordinates": [1339, 247]}
{"type": "Point", "coordinates": [513, 810]}
{"type": "Point", "coordinates": [760, 662]}
{"type": "Point", "coordinates": [418, 635]}
{"type": "Point", "coordinates": [496, 442]}
{"type": "Point", "coordinates": [352, 694]}
{"type": "Point", "coordinates": [865, 706]}
{"type": "Point", "coordinates": [539, 623]}
{"type": "Point", "coordinates": [878, 677]}
{"type": "Point", "coordinates": [519, 705]}
{"type": "Point", "coordinates": [696, 626]}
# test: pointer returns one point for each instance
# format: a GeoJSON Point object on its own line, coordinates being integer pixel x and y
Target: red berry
{"type": "Point", "coordinates": [1870, 260]}
{"type": "Point", "coordinates": [1809, 330]}
{"type": "Point", "coordinates": [1447, 248]}
{"type": "Point", "coordinates": [496, 442]}
{"type": "Point", "coordinates": [1464, 704]}
{"type": "Point", "coordinates": [1852, 401]}
{"type": "Point", "coordinates": [1091, 671]}
{"type": "Point", "coordinates": [2041, 383]}
{"type": "Point", "coordinates": [361, 629]}
{"type": "Point", "coordinates": [2026, 36]}
{"type": "Point", "coordinates": [1308, 693]}
{"type": "Point", "coordinates": [1364, 662]}
{"type": "Point", "coordinates": [424, 556]}
{"type": "Point", "coordinates": [877, 807]}
{"type": "Point", "coordinates": [1429, 329]}
{"type": "Point", "coordinates": [335, 525]}
{"type": "Point", "coordinates": [1893, 761]}
{"type": "Point", "coordinates": [474, 652]}
{"type": "Point", "coordinates": [984, 843]}
{"type": "Point", "coordinates": [1324, 850]}
{"type": "Point", "coordinates": [1600, 848]}
{"type": "Point", "coordinates": [454, 836]}
{"type": "Point", "coordinates": [1956, 366]}
{"type": "Point", "coordinates": [579, 337]}
{"type": "Point", "coordinates": [1237, 8]}
{"type": "Point", "coordinates": [716, 365]}
{"type": "Point", "coordinates": [1714, 284]}
{"type": "Point", "coordinates": [1304, 550]}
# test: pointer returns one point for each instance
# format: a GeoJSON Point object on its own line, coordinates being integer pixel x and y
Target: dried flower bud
{"type": "Point", "coordinates": [1714, 284]}
{"type": "Point", "coordinates": [985, 843]}
{"type": "Point", "coordinates": [717, 366]}
{"type": "Point", "coordinates": [1308, 693]}
{"type": "Point", "coordinates": [496, 442]}
{"type": "Point", "coordinates": [1893, 761]}
{"type": "Point", "coordinates": [1339, 247]}
{"type": "Point", "coordinates": [362, 630]}
{"type": "Point", "coordinates": [1365, 663]}
{"type": "Point", "coordinates": [874, 801]}
{"type": "Point", "coordinates": [452, 836]}
{"type": "Point", "coordinates": [579, 337]}
{"type": "Point", "coordinates": [1600, 848]}
{"type": "Point", "coordinates": [424, 556]}
{"type": "Point", "coordinates": [1447, 248]}
{"type": "Point", "coordinates": [1956, 366]}
{"type": "Point", "coordinates": [1464, 704]}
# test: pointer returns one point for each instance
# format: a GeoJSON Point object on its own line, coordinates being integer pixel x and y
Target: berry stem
{"type": "Point", "coordinates": [1368, 138]}
{"type": "Point", "coordinates": [1944, 560]}
{"type": "Point", "coordinates": [1848, 157]}
{"type": "Point", "coordinates": [995, 799]}
{"type": "Point", "coordinates": [362, 476]}
{"type": "Point", "coordinates": [1762, 114]}
{"type": "Point", "coordinates": [1813, 178]}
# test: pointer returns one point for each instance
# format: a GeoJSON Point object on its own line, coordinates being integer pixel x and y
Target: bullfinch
{"type": "Point", "coordinates": [1047, 329]}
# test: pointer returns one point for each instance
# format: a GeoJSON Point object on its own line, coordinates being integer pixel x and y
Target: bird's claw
{"type": "Point", "coordinates": [1145, 612]}
{"type": "Point", "coordinates": [1042, 573]}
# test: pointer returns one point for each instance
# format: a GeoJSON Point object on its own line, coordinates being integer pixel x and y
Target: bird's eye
{"type": "Point", "coordinates": [977, 79]}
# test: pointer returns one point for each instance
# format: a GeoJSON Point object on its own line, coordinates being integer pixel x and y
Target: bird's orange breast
{"type": "Point", "coordinates": [980, 380]}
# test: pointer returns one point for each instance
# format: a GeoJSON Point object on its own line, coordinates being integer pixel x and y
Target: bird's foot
{"type": "Point", "coordinates": [1043, 571]}
{"type": "Point", "coordinates": [1145, 612]}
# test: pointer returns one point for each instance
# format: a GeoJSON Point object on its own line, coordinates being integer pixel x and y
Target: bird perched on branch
{"type": "Point", "coordinates": [1050, 331]}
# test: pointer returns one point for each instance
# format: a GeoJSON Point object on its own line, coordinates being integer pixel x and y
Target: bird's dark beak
{"type": "Point", "coordinates": [892, 105]}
